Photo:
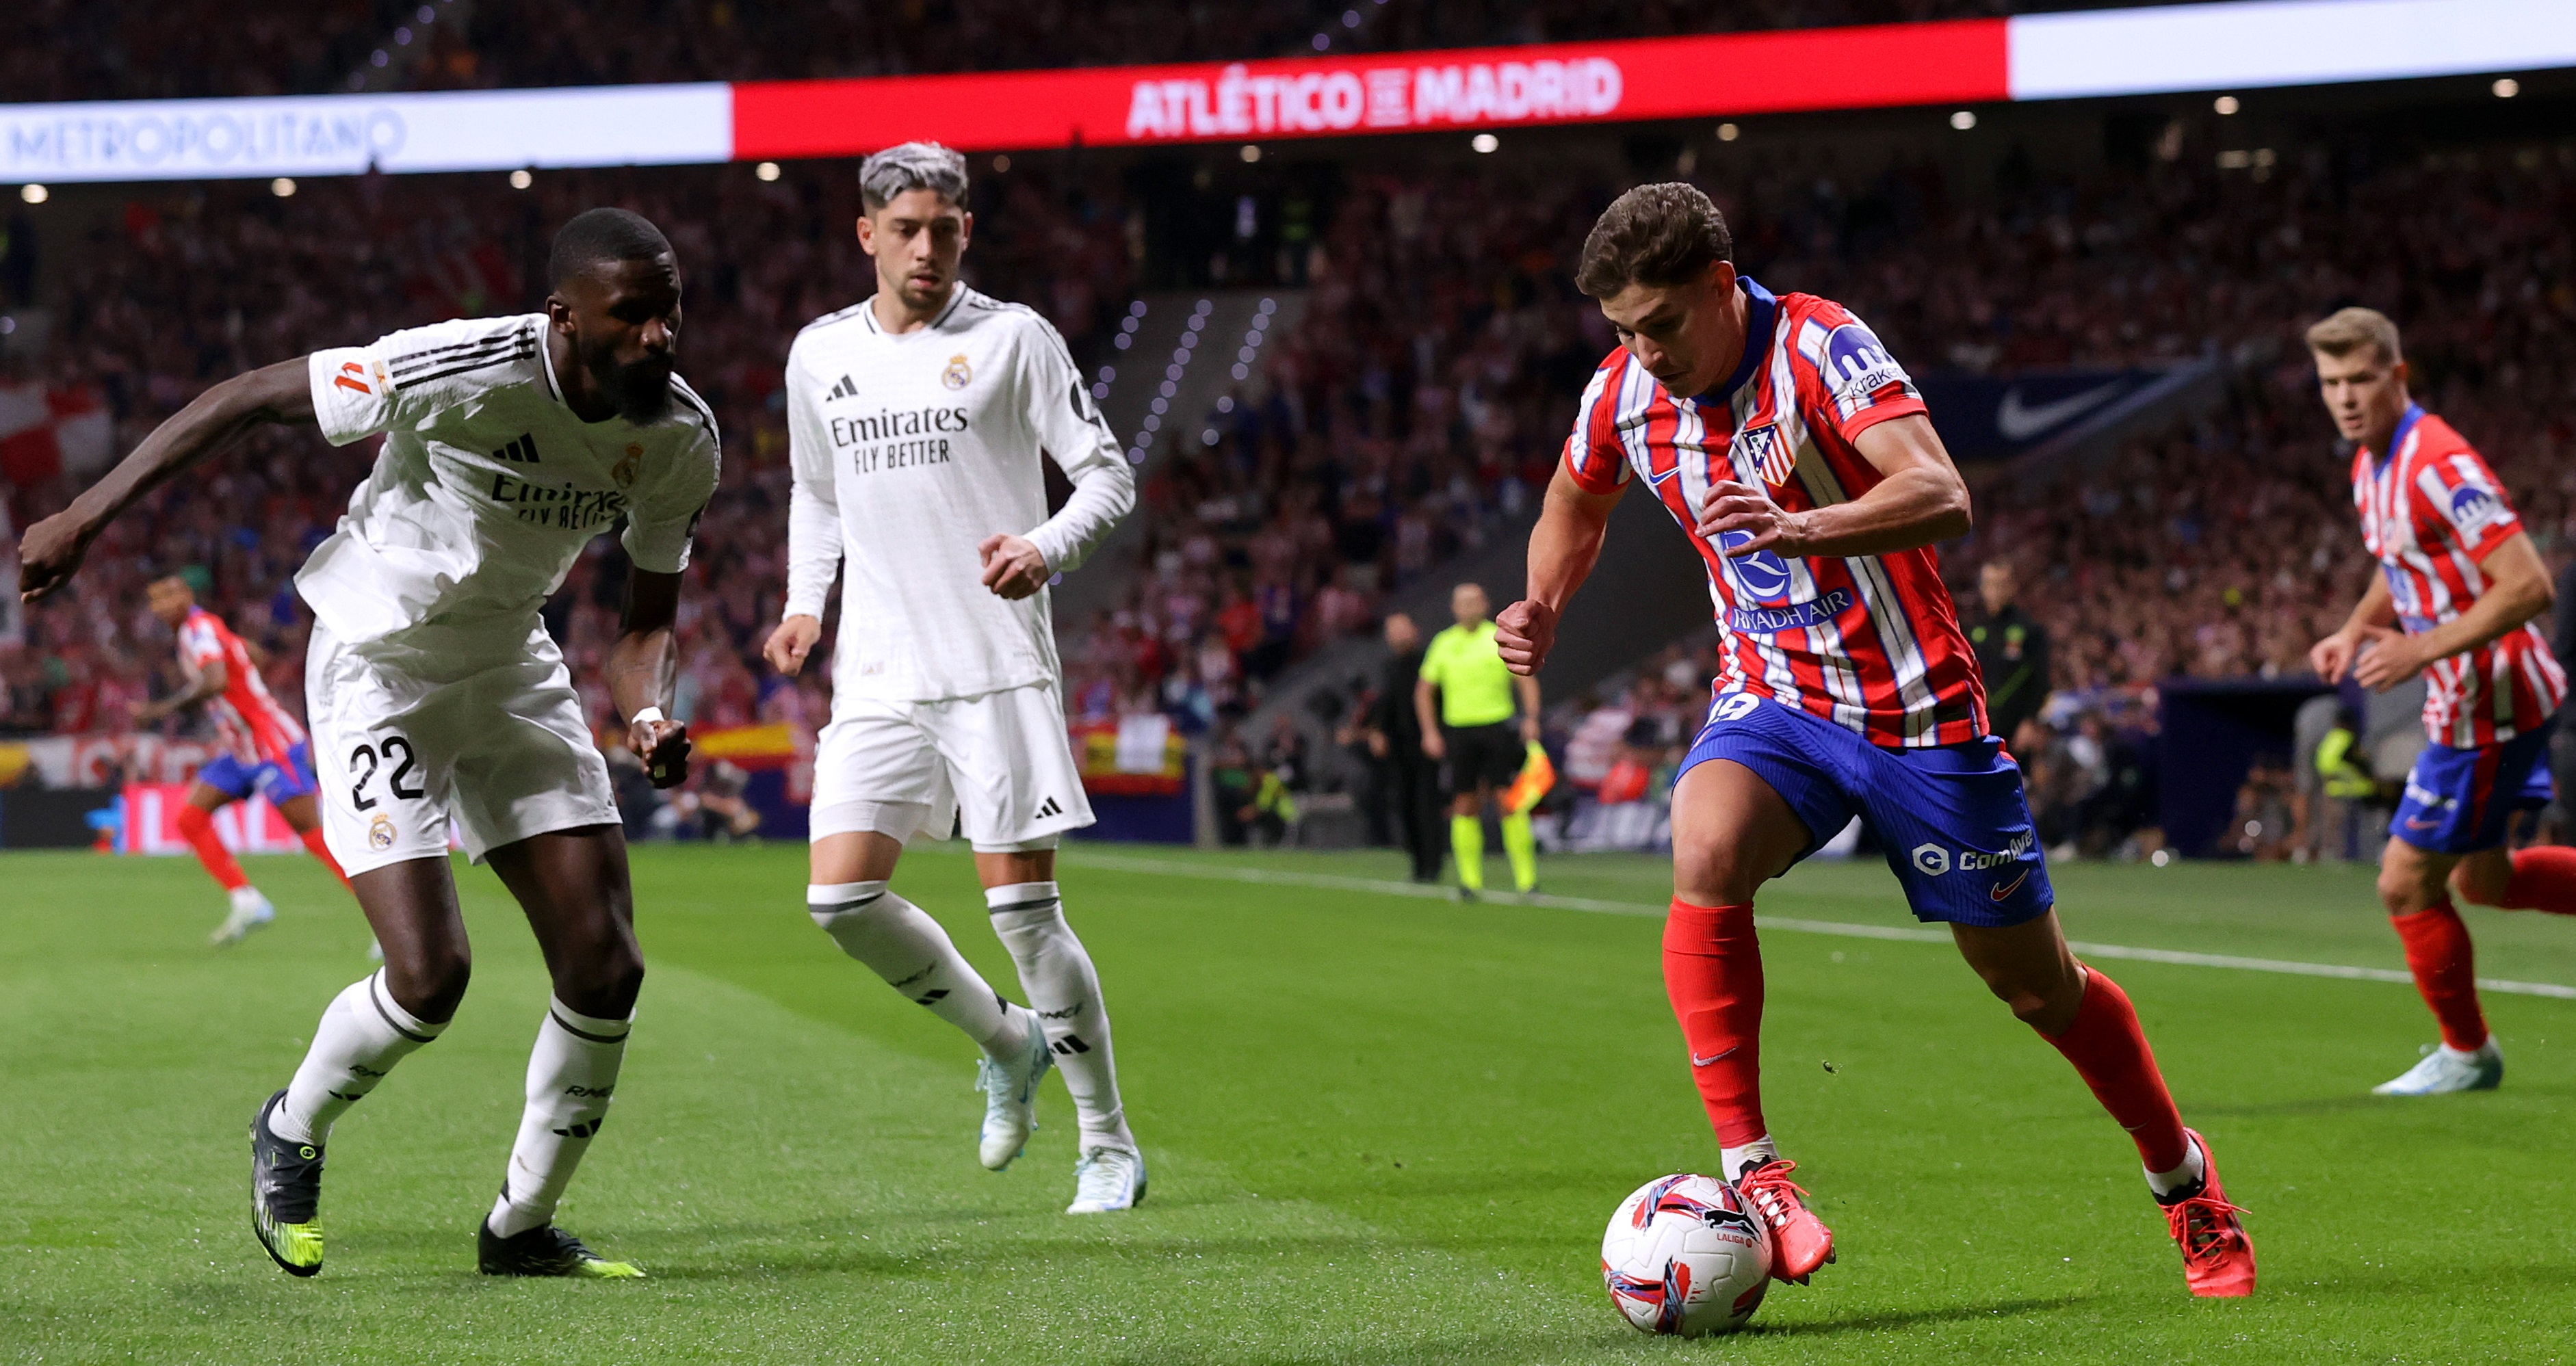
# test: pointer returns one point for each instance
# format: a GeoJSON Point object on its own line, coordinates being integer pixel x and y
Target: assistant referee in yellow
{"type": "Point", "coordinates": [1464, 696]}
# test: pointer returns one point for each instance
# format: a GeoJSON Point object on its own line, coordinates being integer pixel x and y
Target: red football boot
{"type": "Point", "coordinates": [1800, 1242]}
{"type": "Point", "coordinates": [2217, 1257]}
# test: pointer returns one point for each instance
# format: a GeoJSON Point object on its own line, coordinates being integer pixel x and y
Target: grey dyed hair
{"type": "Point", "coordinates": [912, 166]}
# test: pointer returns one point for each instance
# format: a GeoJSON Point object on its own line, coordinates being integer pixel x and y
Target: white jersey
{"type": "Point", "coordinates": [488, 486]}
{"type": "Point", "coordinates": [910, 450]}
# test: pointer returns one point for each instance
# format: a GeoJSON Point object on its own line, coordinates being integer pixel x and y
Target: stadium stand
{"type": "Point", "coordinates": [1414, 410]}
{"type": "Point", "coordinates": [64, 49]}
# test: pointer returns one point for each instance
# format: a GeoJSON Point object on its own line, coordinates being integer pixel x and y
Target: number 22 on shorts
{"type": "Point", "coordinates": [364, 760]}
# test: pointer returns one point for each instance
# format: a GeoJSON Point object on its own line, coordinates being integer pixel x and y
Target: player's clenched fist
{"type": "Point", "coordinates": [1013, 566]}
{"type": "Point", "coordinates": [1524, 633]}
{"type": "Point", "coordinates": [663, 744]}
{"type": "Point", "coordinates": [790, 642]}
{"type": "Point", "coordinates": [49, 555]}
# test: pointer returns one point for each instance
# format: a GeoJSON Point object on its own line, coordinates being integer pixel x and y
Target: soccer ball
{"type": "Point", "coordinates": [1685, 1257]}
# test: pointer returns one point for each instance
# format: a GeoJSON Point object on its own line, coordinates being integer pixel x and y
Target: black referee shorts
{"type": "Point", "coordinates": [1482, 756]}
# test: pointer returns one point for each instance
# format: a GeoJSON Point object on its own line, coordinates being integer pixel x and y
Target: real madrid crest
{"type": "Point", "coordinates": [380, 832]}
{"type": "Point", "coordinates": [627, 467]}
{"type": "Point", "coordinates": [959, 373]}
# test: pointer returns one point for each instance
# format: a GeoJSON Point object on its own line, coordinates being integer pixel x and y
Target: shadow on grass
{"type": "Point", "coordinates": [1914, 1318]}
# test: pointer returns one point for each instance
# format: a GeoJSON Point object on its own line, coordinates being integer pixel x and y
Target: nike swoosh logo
{"type": "Point", "coordinates": [2019, 423]}
{"type": "Point", "coordinates": [2010, 887]}
{"type": "Point", "coordinates": [1698, 1061]}
{"type": "Point", "coordinates": [2419, 823]}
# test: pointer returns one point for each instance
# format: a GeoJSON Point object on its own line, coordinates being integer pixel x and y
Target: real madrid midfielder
{"type": "Point", "coordinates": [432, 691]}
{"type": "Point", "coordinates": [916, 422]}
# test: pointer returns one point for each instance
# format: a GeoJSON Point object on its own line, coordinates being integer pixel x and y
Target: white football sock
{"type": "Point", "coordinates": [1063, 989]}
{"type": "Point", "coordinates": [2194, 1167]}
{"type": "Point", "coordinates": [1732, 1161]}
{"type": "Point", "coordinates": [361, 1036]}
{"type": "Point", "coordinates": [572, 1075]}
{"type": "Point", "coordinates": [899, 942]}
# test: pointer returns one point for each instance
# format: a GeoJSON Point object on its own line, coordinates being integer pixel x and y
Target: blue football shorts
{"type": "Point", "coordinates": [2458, 801]}
{"type": "Point", "coordinates": [279, 782]}
{"type": "Point", "coordinates": [1953, 820]}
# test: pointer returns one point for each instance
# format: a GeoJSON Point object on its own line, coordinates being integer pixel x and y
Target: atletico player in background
{"type": "Point", "coordinates": [264, 750]}
{"type": "Point", "coordinates": [1796, 455]}
{"type": "Point", "coordinates": [2463, 580]}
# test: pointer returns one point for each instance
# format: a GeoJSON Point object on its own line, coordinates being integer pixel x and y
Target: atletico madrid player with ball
{"type": "Point", "coordinates": [1796, 454]}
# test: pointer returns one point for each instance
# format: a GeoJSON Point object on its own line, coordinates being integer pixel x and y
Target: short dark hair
{"type": "Point", "coordinates": [596, 235]}
{"type": "Point", "coordinates": [1659, 234]}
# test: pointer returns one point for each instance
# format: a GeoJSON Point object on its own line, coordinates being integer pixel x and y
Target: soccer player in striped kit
{"type": "Point", "coordinates": [264, 750]}
{"type": "Point", "coordinates": [2459, 597]}
{"type": "Point", "coordinates": [1795, 453]}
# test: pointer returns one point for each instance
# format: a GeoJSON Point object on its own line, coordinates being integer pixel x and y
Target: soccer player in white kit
{"type": "Point", "coordinates": [915, 425]}
{"type": "Point", "coordinates": [433, 691]}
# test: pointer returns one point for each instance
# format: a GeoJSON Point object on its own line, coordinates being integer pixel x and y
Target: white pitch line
{"type": "Point", "coordinates": [1908, 934]}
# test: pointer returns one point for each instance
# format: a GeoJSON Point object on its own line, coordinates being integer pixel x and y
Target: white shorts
{"type": "Point", "coordinates": [495, 738]}
{"type": "Point", "coordinates": [999, 766]}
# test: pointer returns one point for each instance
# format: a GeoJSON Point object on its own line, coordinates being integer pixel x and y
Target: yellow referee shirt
{"type": "Point", "coordinates": [1467, 667]}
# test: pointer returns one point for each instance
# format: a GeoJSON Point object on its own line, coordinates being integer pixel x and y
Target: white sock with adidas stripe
{"type": "Point", "coordinates": [1056, 972]}
{"type": "Point", "coordinates": [899, 942]}
{"type": "Point", "coordinates": [572, 1075]}
{"type": "Point", "coordinates": [362, 1034]}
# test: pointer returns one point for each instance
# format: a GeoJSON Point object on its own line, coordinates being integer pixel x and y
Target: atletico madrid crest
{"type": "Point", "coordinates": [1762, 449]}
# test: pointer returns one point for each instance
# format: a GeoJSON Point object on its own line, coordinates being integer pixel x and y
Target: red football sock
{"type": "Point", "coordinates": [2446, 971]}
{"type": "Point", "coordinates": [313, 842]}
{"type": "Point", "coordinates": [2110, 1052]}
{"type": "Point", "coordinates": [2544, 879]}
{"type": "Point", "coordinates": [1713, 972]}
{"type": "Point", "coordinates": [198, 828]}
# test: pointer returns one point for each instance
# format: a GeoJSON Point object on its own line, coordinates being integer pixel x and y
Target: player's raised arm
{"type": "Point", "coordinates": [1919, 500]}
{"type": "Point", "coordinates": [1563, 547]}
{"type": "Point", "coordinates": [51, 551]}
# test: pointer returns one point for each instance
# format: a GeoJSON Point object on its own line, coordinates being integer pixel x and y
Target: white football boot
{"type": "Point", "coordinates": [2447, 1069]}
{"type": "Point", "coordinates": [1106, 1179]}
{"type": "Point", "coordinates": [250, 912]}
{"type": "Point", "coordinates": [1010, 1095]}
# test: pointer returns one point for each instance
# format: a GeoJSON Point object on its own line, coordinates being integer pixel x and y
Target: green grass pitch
{"type": "Point", "coordinates": [1381, 1129]}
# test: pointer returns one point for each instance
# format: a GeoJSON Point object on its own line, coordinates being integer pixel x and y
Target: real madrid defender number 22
{"type": "Point", "coordinates": [433, 692]}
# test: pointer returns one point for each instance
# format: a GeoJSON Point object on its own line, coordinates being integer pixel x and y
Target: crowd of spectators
{"type": "Point", "coordinates": [1411, 413]}
{"type": "Point", "coordinates": [194, 284]}
{"type": "Point", "coordinates": [80, 49]}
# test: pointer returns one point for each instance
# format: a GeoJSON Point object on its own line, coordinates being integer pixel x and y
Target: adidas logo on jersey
{"type": "Point", "coordinates": [520, 452]}
{"type": "Point", "coordinates": [845, 389]}
{"type": "Point", "coordinates": [1049, 808]}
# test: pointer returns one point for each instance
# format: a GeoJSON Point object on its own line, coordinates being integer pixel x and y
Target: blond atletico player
{"type": "Point", "coordinates": [1796, 455]}
{"type": "Point", "coordinates": [2462, 578]}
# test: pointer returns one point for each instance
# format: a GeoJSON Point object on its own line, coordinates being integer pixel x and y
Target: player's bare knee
{"type": "Point", "coordinates": [2481, 882]}
{"type": "Point", "coordinates": [2405, 890]}
{"type": "Point", "coordinates": [605, 986]}
{"type": "Point", "coordinates": [1714, 876]}
{"type": "Point", "coordinates": [428, 981]}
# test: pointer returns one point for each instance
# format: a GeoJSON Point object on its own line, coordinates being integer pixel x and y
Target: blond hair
{"type": "Point", "coordinates": [2350, 329]}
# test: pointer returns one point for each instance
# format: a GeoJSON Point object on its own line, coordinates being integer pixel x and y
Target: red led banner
{"type": "Point", "coordinates": [1655, 78]}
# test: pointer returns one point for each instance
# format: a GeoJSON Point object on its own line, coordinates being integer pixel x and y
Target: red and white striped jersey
{"type": "Point", "coordinates": [253, 726]}
{"type": "Point", "coordinates": [2431, 512]}
{"type": "Point", "coordinates": [1869, 642]}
